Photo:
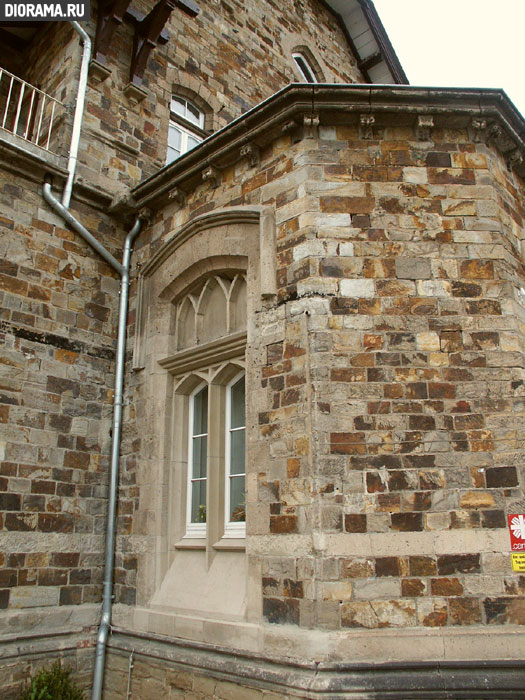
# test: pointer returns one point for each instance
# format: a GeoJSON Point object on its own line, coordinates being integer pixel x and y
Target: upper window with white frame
{"type": "Point", "coordinates": [186, 128]}
{"type": "Point", "coordinates": [304, 67]}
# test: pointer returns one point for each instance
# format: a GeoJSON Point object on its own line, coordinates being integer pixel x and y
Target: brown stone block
{"type": "Point", "coordinates": [413, 587]}
{"type": "Point", "coordinates": [464, 611]}
{"type": "Point", "coordinates": [388, 502]}
{"type": "Point", "coordinates": [369, 307]}
{"type": "Point", "coordinates": [465, 289]}
{"type": "Point", "coordinates": [446, 587]}
{"type": "Point", "coordinates": [362, 359]}
{"type": "Point", "coordinates": [458, 563]}
{"type": "Point", "coordinates": [356, 568]}
{"type": "Point", "coordinates": [387, 566]}
{"type": "Point", "coordinates": [335, 205]}
{"type": "Point", "coordinates": [13, 285]}
{"type": "Point", "coordinates": [279, 611]}
{"type": "Point", "coordinates": [493, 519]}
{"type": "Point", "coordinates": [485, 307]}
{"type": "Point", "coordinates": [347, 443]}
{"type": "Point", "coordinates": [283, 524]}
{"type": "Point", "coordinates": [416, 501]}
{"type": "Point", "coordinates": [438, 159]}
{"type": "Point", "coordinates": [451, 176]}
{"type": "Point", "coordinates": [376, 268]}
{"type": "Point", "coordinates": [293, 589]}
{"type": "Point", "coordinates": [441, 390]}
{"type": "Point", "coordinates": [477, 269]}
{"type": "Point", "coordinates": [501, 477]}
{"type": "Point", "coordinates": [374, 482]}
{"type": "Point", "coordinates": [61, 522]}
{"type": "Point", "coordinates": [379, 407]}
{"type": "Point", "coordinates": [355, 522]}
{"type": "Point", "coordinates": [436, 617]}
{"type": "Point", "coordinates": [407, 522]}
{"type": "Point", "coordinates": [416, 390]}
{"type": "Point", "coordinates": [393, 391]}
{"type": "Point", "coordinates": [422, 566]}
{"type": "Point", "coordinates": [346, 374]}
{"type": "Point", "coordinates": [23, 522]}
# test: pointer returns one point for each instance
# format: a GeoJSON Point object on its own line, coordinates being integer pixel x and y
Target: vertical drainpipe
{"type": "Point", "coordinates": [61, 208]}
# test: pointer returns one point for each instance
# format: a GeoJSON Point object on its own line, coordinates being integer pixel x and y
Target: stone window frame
{"type": "Point", "coordinates": [302, 54]}
{"type": "Point", "coordinates": [174, 267]}
{"type": "Point", "coordinates": [216, 365]}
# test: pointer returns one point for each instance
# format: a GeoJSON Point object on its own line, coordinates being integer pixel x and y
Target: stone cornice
{"type": "Point", "coordinates": [343, 104]}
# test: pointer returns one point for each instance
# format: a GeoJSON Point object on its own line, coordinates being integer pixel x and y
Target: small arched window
{"type": "Point", "coordinates": [186, 127]}
{"type": "Point", "coordinates": [304, 67]}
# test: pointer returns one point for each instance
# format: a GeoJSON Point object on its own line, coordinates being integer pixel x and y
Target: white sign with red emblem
{"type": "Point", "coordinates": [517, 541]}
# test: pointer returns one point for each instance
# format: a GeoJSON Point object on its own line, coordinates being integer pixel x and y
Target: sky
{"type": "Point", "coordinates": [459, 43]}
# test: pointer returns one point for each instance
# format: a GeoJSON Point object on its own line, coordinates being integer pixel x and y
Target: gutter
{"type": "Point", "coordinates": [123, 269]}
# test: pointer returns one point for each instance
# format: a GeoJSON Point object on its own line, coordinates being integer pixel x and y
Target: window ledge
{"type": "Point", "coordinates": [233, 544]}
{"type": "Point", "coordinates": [191, 543]}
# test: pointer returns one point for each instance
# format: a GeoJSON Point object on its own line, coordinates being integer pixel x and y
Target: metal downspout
{"type": "Point", "coordinates": [123, 270]}
{"type": "Point", "coordinates": [79, 114]}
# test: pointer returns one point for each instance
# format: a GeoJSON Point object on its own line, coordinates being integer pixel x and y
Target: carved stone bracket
{"type": "Point", "coordinates": [293, 130]}
{"type": "Point", "coordinates": [135, 93]}
{"type": "Point", "coordinates": [211, 175]}
{"type": "Point", "coordinates": [122, 204]}
{"type": "Point", "coordinates": [514, 158]}
{"type": "Point", "coordinates": [478, 127]}
{"type": "Point", "coordinates": [310, 124]}
{"type": "Point", "coordinates": [252, 153]}
{"type": "Point", "coordinates": [98, 72]}
{"type": "Point", "coordinates": [177, 196]}
{"type": "Point", "coordinates": [495, 134]}
{"type": "Point", "coordinates": [366, 126]}
{"type": "Point", "coordinates": [424, 126]}
{"type": "Point", "coordinates": [144, 214]}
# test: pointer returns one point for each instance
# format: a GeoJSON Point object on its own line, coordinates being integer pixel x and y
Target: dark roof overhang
{"type": "Point", "coordinates": [369, 41]}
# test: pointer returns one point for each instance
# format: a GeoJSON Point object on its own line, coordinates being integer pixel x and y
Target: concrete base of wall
{"type": "Point", "coordinates": [195, 671]}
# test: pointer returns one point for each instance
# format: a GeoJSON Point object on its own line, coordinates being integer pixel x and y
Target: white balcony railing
{"type": "Point", "coordinates": [28, 112]}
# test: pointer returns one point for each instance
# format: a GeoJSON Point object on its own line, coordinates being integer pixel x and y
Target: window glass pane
{"type": "Point", "coordinates": [174, 137]}
{"type": "Point", "coordinates": [200, 412]}
{"type": "Point", "coordinates": [237, 447]}
{"type": "Point", "coordinates": [172, 155]}
{"type": "Point", "coordinates": [198, 502]}
{"type": "Point", "coordinates": [237, 404]}
{"type": "Point", "coordinates": [237, 500]}
{"type": "Point", "coordinates": [305, 70]}
{"type": "Point", "coordinates": [193, 114]}
{"type": "Point", "coordinates": [178, 106]}
{"type": "Point", "coordinates": [199, 457]}
{"type": "Point", "coordinates": [192, 142]}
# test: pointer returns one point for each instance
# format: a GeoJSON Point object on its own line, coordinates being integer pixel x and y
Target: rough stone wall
{"type": "Point", "coordinates": [408, 354]}
{"type": "Point", "coordinates": [58, 324]}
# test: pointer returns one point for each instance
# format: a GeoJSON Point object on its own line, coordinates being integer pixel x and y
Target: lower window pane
{"type": "Point", "coordinates": [198, 502]}
{"type": "Point", "coordinates": [237, 499]}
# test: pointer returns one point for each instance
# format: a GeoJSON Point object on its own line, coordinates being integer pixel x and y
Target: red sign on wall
{"type": "Point", "coordinates": [517, 532]}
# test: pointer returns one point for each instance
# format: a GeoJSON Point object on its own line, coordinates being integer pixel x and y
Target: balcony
{"type": "Point", "coordinates": [32, 125]}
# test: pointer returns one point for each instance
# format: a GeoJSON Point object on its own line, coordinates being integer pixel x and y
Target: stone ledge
{"type": "Point", "coordinates": [386, 681]}
{"type": "Point", "coordinates": [502, 126]}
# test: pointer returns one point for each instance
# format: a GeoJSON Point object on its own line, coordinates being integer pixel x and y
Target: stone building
{"type": "Point", "coordinates": [312, 233]}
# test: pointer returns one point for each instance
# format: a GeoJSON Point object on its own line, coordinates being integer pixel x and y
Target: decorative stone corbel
{"type": "Point", "coordinates": [211, 175]}
{"type": "Point", "coordinates": [478, 127]}
{"type": "Point", "coordinates": [122, 204]}
{"type": "Point", "coordinates": [293, 130]}
{"type": "Point", "coordinates": [424, 126]}
{"type": "Point", "coordinates": [135, 93]}
{"type": "Point", "coordinates": [366, 126]}
{"type": "Point", "coordinates": [310, 125]}
{"type": "Point", "coordinates": [494, 134]}
{"type": "Point", "coordinates": [144, 214]}
{"type": "Point", "coordinates": [514, 158]}
{"type": "Point", "coordinates": [252, 153]}
{"type": "Point", "coordinates": [177, 196]}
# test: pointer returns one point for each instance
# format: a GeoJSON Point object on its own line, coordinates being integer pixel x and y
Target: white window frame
{"type": "Point", "coordinates": [232, 529]}
{"type": "Point", "coordinates": [186, 124]}
{"type": "Point", "coordinates": [304, 67]}
{"type": "Point", "coordinates": [196, 530]}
